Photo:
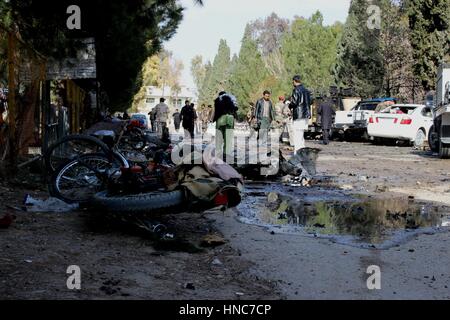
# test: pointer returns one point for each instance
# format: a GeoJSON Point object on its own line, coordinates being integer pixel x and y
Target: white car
{"type": "Point", "coordinates": [410, 122]}
{"type": "Point", "coordinates": [356, 120]}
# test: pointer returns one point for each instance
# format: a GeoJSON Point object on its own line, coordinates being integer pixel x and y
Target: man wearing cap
{"type": "Point", "coordinates": [301, 113]}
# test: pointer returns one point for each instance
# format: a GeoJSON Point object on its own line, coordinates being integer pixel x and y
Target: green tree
{"type": "Point", "coordinates": [429, 22]}
{"type": "Point", "coordinates": [126, 34]}
{"type": "Point", "coordinates": [309, 49]}
{"type": "Point", "coordinates": [268, 34]}
{"type": "Point", "coordinates": [198, 71]}
{"type": "Point", "coordinates": [218, 76]}
{"type": "Point", "coordinates": [360, 60]}
{"type": "Point", "coordinates": [158, 70]}
{"type": "Point", "coordinates": [399, 80]}
{"type": "Point", "coordinates": [248, 74]}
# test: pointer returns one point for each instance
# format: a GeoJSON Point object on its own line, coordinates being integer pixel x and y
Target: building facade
{"type": "Point", "coordinates": [175, 100]}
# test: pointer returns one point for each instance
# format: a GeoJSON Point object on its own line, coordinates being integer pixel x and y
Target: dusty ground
{"type": "Point", "coordinates": [38, 248]}
{"type": "Point", "coordinates": [116, 264]}
{"type": "Point", "coordinates": [309, 268]}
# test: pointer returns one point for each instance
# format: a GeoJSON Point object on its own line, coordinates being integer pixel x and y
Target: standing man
{"type": "Point", "coordinates": [225, 113]}
{"type": "Point", "coordinates": [188, 117]}
{"type": "Point", "coordinates": [197, 124]}
{"type": "Point", "coordinates": [326, 112]}
{"type": "Point", "coordinates": [177, 120]}
{"type": "Point", "coordinates": [280, 119]}
{"type": "Point", "coordinates": [264, 114]}
{"type": "Point", "coordinates": [162, 116]}
{"type": "Point", "coordinates": [301, 113]}
{"type": "Point", "coordinates": [152, 117]}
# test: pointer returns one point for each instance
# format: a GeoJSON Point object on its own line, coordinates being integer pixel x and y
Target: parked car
{"type": "Point", "coordinates": [408, 122]}
{"type": "Point", "coordinates": [143, 120]}
{"type": "Point", "coordinates": [354, 122]}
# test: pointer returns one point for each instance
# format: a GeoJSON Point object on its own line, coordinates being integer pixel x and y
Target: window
{"type": "Point", "coordinates": [151, 100]}
{"type": "Point", "coordinates": [426, 112]}
{"type": "Point", "coordinates": [368, 106]}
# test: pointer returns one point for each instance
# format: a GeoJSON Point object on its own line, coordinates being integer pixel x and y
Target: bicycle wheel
{"type": "Point", "coordinates": [69, 148]}
{"type": "Point", "coordinates": [78, 180]}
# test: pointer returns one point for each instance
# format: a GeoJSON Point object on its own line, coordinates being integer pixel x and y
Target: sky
{"type": "Point", "coordinates": [203, 27]}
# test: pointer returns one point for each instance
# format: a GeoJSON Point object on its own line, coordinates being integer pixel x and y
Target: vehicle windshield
{"type": "Point", "coordinates": [138, 116]}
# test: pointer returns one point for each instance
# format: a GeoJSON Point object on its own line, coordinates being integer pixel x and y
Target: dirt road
{"type": "Point", "coordinates": [308, 267]}
{"type": "Point", "coordinates": [255, 262]}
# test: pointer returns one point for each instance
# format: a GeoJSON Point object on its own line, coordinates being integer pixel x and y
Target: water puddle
{"type": "Point", "coordinates": [359, 221]}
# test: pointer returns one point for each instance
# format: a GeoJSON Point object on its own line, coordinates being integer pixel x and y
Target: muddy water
{"type": "Point", "coordinates": [353, 220]}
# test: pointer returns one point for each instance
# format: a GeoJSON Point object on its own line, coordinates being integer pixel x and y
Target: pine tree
{"type": "Point", "coordinates": [217, 78]}
{"type": "Point", "coordinates": [309, 49]}
{"type": "Point", "coordinates": [360, 62]}
{"type": "Point", "coordinates": [399, 80]}
{"type": "Point", "coordinates": [198, 71]}
{"type": "Point", "coordinates": [249, 72]}
{"type": "Point", "coordinates": [429, 22]}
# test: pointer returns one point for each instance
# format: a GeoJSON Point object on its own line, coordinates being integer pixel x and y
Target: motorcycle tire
{"type": "Point", "coordinates": [140, 203]}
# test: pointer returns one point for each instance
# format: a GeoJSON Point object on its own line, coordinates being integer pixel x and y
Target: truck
{"type": "Point", "coordinates": [342, 98]}
{"type": "Point", "coordinates": [439, 137]}
{"type": "Point", "coordinates": [353, 123]}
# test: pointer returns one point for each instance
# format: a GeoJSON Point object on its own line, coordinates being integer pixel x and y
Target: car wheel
{"type": "Point", "coordinates": [366, 136]}
{"type": "Point", "coordinates": [377, 141]}
{"type": "Point", "coordinates": [420, 139]}
{"type": "Point", "coordinates": [433, 140]}
{"type": "Point", "coordinates": [444, 150]}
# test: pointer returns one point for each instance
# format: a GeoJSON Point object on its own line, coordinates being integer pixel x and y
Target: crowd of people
{"type": "Point", "coordinates": [287, 119]}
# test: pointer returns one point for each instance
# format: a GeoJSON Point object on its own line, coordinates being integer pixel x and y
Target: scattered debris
{"type": "Point", "coordinates": [381, 189]}
{"type": "Point", "coordinates": [15, 208]}
{"type": "Point", "coordinates": [110, 287]}
{"type": "Point", "coordinates": [363, 179]}
{"type": "Point", "coordinates": [49, 205]}
{"type": "Point", "coordinates": [213, 240]}
{"type": "Point", "coordinates": [272, 197]}
{"type": "Point", "coordinates": [7, 221]}
{"type": "Point", "coordinates": [217, 262]}
{"type": "Point", "coordinates": [189, 286]}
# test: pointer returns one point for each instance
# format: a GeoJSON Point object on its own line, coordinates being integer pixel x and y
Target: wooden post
{"type": "Point", "coordinates": [12, 110]}
{"type": "Point", "coordinates": [46, 119]}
